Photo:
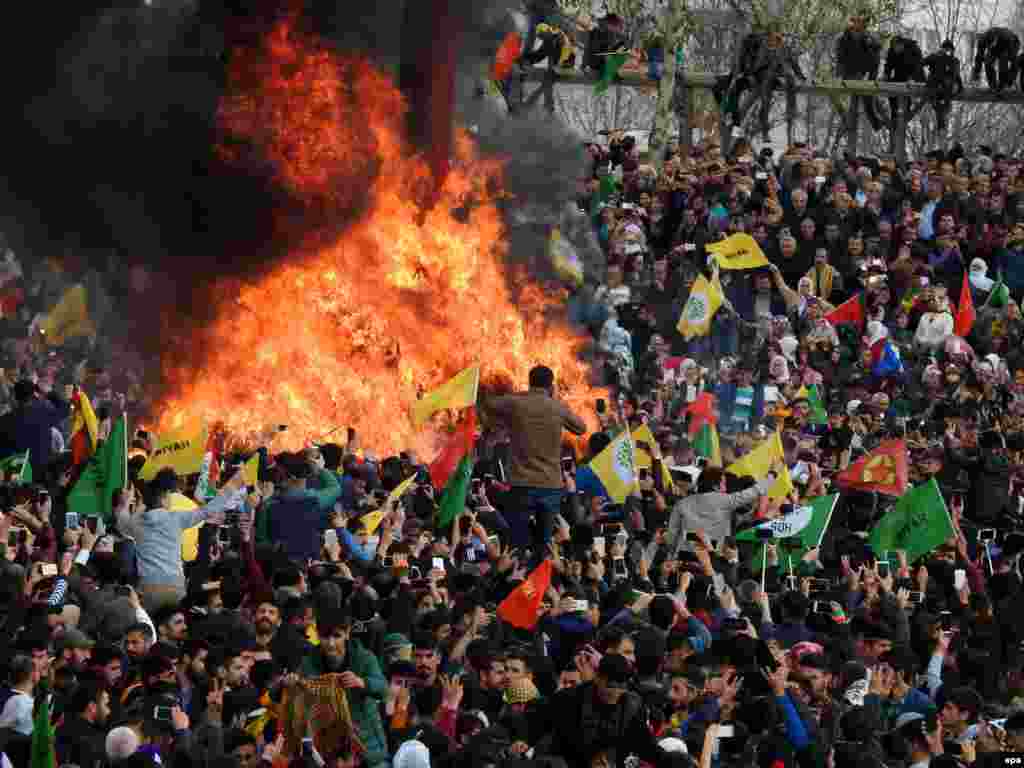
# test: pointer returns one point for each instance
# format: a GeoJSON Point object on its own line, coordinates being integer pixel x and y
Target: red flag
{"type": "Point", "coordinates": [521, 607]}
{"type": "Point", "coordinates": [459, 444]}
{"type": "Point", "coordinates": [883, 470]}
{"type": "Point", "coordinates": [850, 311]}
{"type": "Point", "coordinates": [10, 300]}
{"type": "Point", "coordinates": [965, 314]}
{"type": "Point", "coordinates": [506, 57]}
{"type": "Point", "coordinates": [702, 411]}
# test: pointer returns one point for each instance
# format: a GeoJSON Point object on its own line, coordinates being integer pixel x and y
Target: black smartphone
{"type": "Point", "coordinates": [644, 475]}
{"type": "Point", "coordinates": [765, 534]}
{"type": "Point", "coordinates": [123, 591]}
{"type": "Point", "coordinates": [692, 537]}
{"type": "Point", "coordinates": [986, 535]}
{"type": "Point", "coordinates": [567, 464]}
{"type": "Point", "coordinates": [162, 714]}
{"type": "Point", "coordinates": [619, 568]}
{"type": "Point", "coordinates": [476, 484]}
{"type": "Point", "coordinates": [91, 522]}
{"type": "Point", "coordinates": [946, 618]}
{"type": "Point", "coordinates": [601, 405]}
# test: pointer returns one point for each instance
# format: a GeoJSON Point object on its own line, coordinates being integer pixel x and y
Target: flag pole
{"type": "Point", "coordinates": [764, 566]}
{"type": "Point", "coordinates": [124, 453]}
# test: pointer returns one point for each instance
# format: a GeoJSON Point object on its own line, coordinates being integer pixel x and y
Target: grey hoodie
{"type": "Point", "coordinates": [710, 511]}
{"type": "Point", "coordinates": [157, 534]}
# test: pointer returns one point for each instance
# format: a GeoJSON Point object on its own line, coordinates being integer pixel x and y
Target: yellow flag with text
{"type": "Point", "coordinates": [182, 450]}
{"type": "Point", "coordinates": [457, 392]}
{"type": "Point", "coordinates": [739, 251]}
{"type": "Point", "coordinates": [705, 299]}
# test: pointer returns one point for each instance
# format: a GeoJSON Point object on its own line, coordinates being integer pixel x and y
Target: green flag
{"type": "Point", "coordinates": [453, 500]}
{"type": "Point", "coordinates": [804, 529]}
{"type": "Point", "coordinates": [917, 524]}
{"type": "Point", "coordinates": [1000, 294]}
{"type": "Point", "coordinates": [818, 413]}
{"type": "Point", "coordinates": [608, 188]}
{"type": "Point", "coordinates": [612, 64]}
{"type": "Point", "coordinates": [706, 444]}
{"type": "Point", "coordinates": [43, 753]}
{"type": "Point", "coordinates": [106, 472]}
{"type": "Point", "coordinates": [12, 464]}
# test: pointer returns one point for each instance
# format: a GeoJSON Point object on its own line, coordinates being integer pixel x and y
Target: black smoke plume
{"type": "Point", "coordinates": [113, 149]}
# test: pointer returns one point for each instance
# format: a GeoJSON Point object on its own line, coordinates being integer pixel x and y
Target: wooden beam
{"type": "Point", "coordinates": [706, 80]}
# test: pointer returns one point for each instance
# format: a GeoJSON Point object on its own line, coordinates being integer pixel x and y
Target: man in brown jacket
{"type": "Point", "coordinates": [535, 420]}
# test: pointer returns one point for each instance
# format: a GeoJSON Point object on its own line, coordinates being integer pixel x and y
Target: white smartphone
{"type": "Point", "coordinates": [330, 537]}
{"type": "Point", "coordinates": [49, 569]}
{"type": "Point", "coordinates": [599, 545]}
{"type": "Point", "coordinates": [959, 579]}
{"type": "Point", "coordinates": [438, 564]}
{"type": "Point", "coordinates": [726, 731]}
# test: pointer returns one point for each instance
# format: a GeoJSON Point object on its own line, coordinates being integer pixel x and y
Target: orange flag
{"type": "Point", "coordinates": [883, 470]}
{"type": "Point", "coordinates": [521, 607]}
{"type": "Point", "coordinates": [506, 57]}
{"type": "Point", "coordinates": [965, 314]}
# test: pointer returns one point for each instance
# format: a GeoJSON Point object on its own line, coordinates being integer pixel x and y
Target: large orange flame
{"type": "Point", "coordinates": [353, 326]}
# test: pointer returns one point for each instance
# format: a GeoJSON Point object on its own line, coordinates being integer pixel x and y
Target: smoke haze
{"type": "Point", "coordinates": [114, 149]}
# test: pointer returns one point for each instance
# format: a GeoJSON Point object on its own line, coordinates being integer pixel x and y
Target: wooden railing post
{"type": "Point", "coordinates": [853, 125]}
{"type": "Point", "coordinates": [684, 111]}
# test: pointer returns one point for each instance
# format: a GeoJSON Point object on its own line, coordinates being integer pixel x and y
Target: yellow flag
{"type": "Point", "coordinates": [400, 490]}
{"type": "Point", "coordinates": [69, 319]}
{"type": "Point", "coordinates": [644, 460]}
{"type": "Point", "coordinates": [705, 299]}
{"type": "Point", "coordinates": [615, 467]}
{"type": "Point", "coordinates": [782, 487]}
{"type": "Point", "coordinates": [758, 463]}
{"type": "Point", "coordinates": [190, 536]}
{"type": "Point", "coordinates": [739, 251]}
{"type": "Point", "coordinates": [372, 520]}
{"type": "Point", "coordinates": [565, 259]}
{"type": "Point", "coordinates": [181, 450]}
{"type": "Point", "coordinates": [459, 392]}
{"type": "Point", "coordinates": [251, 470]}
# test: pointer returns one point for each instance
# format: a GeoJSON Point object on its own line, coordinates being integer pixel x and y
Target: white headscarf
{"type": "Point", "coordinates": [876, 332]}
{"type": "Point", "coordinates": [979, 270]}
{"type": "Point", "coordinates": [789, 345]}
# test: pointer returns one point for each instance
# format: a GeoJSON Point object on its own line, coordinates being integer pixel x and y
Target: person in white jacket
{"type": "Point", "coordinates": [711, 508]}
{"type": "Point", "coordinates": [158, 530]}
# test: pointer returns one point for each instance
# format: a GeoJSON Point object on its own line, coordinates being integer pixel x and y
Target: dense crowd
{"type": "Point", "coordinates": [315, 618]}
